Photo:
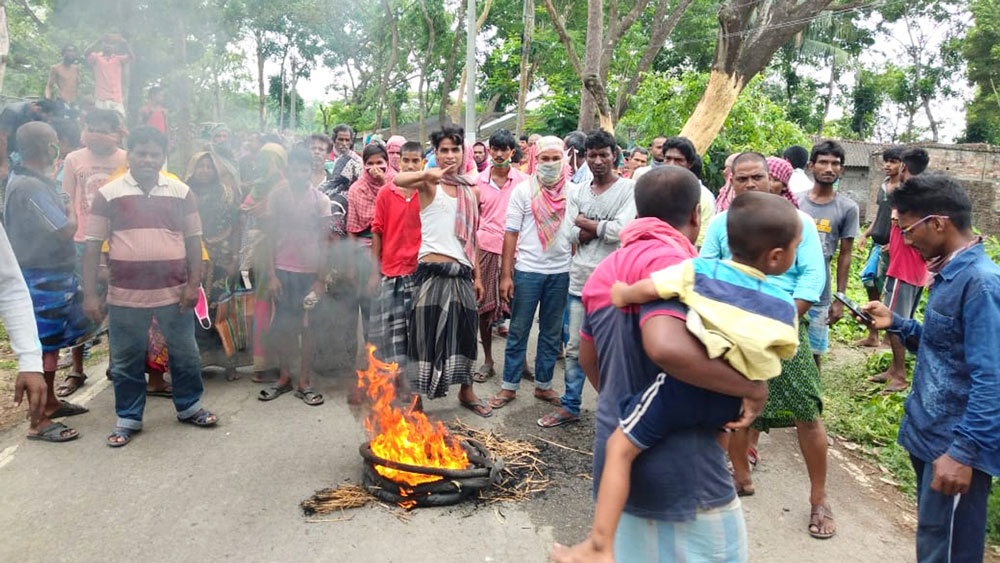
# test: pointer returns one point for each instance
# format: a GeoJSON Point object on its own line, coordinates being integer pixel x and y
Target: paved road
{"type": "Point", "coordinates": [179, 493]}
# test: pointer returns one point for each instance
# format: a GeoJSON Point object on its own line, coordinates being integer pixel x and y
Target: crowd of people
{"type": "Point", "coordinates": [689, 310]}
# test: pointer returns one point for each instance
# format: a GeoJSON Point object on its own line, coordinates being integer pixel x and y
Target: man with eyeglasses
{"type": "Point", "coordinates": [905, 279]}
{"type": "Point", "coordinates": [952, 417]}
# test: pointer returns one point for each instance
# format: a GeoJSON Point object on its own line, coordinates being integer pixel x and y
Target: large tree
{"type": "Point", "coordinates": [604, 36]}
{"type": "Point", "coordinates": [750, 32]}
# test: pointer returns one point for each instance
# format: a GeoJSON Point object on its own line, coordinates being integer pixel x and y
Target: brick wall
{"type": "Point", "coordinates": [974, 166]}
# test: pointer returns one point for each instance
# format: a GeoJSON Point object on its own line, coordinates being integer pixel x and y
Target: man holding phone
{"type": "Point", "coordinates": [952, 416]}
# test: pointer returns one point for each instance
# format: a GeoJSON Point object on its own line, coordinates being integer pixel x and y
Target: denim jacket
{"type": "Point", "coordinates": [954, 406]}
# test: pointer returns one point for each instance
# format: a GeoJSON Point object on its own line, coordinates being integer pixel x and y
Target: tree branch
{"type": "Point", "coordinates": [31, 13]}
{"type": "Point", "coordinates": [564, 37]}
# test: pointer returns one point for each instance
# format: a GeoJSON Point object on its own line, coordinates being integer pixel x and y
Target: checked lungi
{"type": "Point", "coordinates": [389, 323]}
{"type": "Point", "coordinates": [442, 345]}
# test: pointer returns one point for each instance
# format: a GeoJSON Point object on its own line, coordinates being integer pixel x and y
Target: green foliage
{"type": "Point", "coordinates": [980, 50]}
{"type": "Point", "coordinates": [663, 103]}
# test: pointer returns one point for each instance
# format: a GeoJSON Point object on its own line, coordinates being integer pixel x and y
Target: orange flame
{"type": "Point", "coordinates": [404, 436]}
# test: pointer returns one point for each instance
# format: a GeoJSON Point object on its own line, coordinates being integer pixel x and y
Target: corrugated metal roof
{"type": "Point", "coordinates": [857, 154]}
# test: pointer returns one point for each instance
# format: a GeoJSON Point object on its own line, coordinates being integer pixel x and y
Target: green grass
{"type": "Point", "coordinates": [855, 409]}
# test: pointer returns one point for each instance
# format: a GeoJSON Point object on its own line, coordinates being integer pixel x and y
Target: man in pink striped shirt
{"type": "Point", "coordinates": [495, 186]}
{"type": "Point", "coordinates": [153, 231]}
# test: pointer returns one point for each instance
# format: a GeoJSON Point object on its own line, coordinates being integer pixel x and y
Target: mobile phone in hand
{"type": "Point", "coordinates": [865, 317]}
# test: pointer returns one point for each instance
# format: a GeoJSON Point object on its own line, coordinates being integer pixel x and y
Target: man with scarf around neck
{"type": "Point", "coordinates": [41, 226]}
{"type": "Point", "coordinates": [442, 346]}
{"type": "Point", "coordinates": [540, 278]}
{"type": "Point", "coordinates": [495, 185]}
{"type": "Point", "coordinates": [952, 415]}
{"type": "Point", "coordinates": [681, 499]}
{"type": "Point", "coordinates": [597, 211]}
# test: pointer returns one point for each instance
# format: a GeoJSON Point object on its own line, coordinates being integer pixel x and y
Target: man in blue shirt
{"type": "Point", "coordinates": [952, 420]}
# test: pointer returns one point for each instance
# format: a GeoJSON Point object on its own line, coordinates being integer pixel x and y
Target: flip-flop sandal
{"type": "Point", "coordinates": [201, 418]}
{"type": "Point", "coordinates": [483, 373]}
{"type": "Point", "coordinates": [69, 386]}
{"type": "Point", "coordinates": [124, 434]}
{"type": "Point", "coordinates": [557, 418]}
{"type": "Point", "coordinates": [273, 392]}
{"type": "Point", "coordinates": [499, 401]}
{"type": "Point", "coordinates": [54, 433]}
{"type": "Point", "coordinates": [309, 396]}
{"type": "Point", "coordinates": [553, 399]}
{"type": "Point", "coordinates": [744, 490]}
{"type": "Point", "coordinates": [753, 457]}
{"type": "Point", "coordinates": [167, 392]}
{"type": "Point", "coordinates": [820, 513]}
{"type": "Point", "coordinates": [67, 408]}
{"type": "Point", "coordinates": [479, 408]}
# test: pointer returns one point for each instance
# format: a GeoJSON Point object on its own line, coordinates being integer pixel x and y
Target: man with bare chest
{"type": "Point", "coordinates": [64, 77]}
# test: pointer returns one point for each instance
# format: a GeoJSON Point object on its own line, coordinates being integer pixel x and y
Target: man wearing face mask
{"type": "Point", "coordinates": [575, 156]}
{"type": "Point", "coordinates": [495, 186]}
{"type": "Point", "coordinates": [41, 226]}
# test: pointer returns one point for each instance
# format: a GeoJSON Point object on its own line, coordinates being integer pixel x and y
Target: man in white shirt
{"type": "Point", "coordinates": [799, 157]}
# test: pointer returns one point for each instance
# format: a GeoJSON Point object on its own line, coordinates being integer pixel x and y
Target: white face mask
{"type": "Point", "coordinates": [549, 172]}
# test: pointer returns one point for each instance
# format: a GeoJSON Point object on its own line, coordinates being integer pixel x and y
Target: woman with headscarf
{"type": "Point", "coordinates": [254, 255]}
{"type": "Point", "coordinates": [361, 212]}
{"type": "Point", "coordinates": [393, 148]}
{"type": "Point", "coordinates": [540, 277]}
{"type": "Point", "coordinates": [218, 206]}
{"type": "Point", "coordinates": [780, 172]}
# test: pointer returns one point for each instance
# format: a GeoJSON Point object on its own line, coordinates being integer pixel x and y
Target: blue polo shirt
{"type": "Point", "coordinates": [954, 406]}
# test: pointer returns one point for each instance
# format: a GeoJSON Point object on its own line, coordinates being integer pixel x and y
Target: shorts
{"type": "Point", "coordinates": [819, 331]}
{"type": "Point", "coordinates": [873, 275]}
{"type": "Point", "coordinates": [112, 105]}
{"type": "Point", "coordinates": [901, 298]}
{"type": "Point", "coordinates": [669, 405]}
{"type": "Point", "coordinates": [715, 535]}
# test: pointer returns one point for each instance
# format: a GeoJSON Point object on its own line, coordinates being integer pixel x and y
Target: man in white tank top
{"type": "Point", "coordinates": [447, 280]}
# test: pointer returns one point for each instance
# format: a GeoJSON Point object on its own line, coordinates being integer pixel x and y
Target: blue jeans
{"type": "Point", "coordinates": [947, 533]}
{"type": "Point", "coordinates": [574, 373]}
{"type": "Point", "coordinates": [128, 337]}
{"type": "Point", "coordinates": [546, 292]}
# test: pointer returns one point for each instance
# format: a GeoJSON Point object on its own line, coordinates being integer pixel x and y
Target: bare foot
{"type": "Point", "coordinates": [871, 341]}
{"type": "Point", "coordinates": [880, 378]}
{"type": "Point", "coordinates": [584, 552]}
{"type": "Point", "coordinates": [895, 387]}
{"type": "Point", "coordinates": [744, 488]}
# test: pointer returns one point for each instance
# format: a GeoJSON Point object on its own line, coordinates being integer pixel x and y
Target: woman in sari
{"type": "Point", "coordinates": [254, 256]}
{"type": "Point", "coordinates": [216, 190]}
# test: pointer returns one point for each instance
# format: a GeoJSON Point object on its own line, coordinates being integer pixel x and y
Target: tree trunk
{"type": "Point", "coordinates": [183, 140]}
{"type": "Point", "coordinates": [713, 109]}
{"type": "Point", "coordinates": [422, 84]}
{"type": "Point", "coordinates": [4, 41]}
{"type": "Point", "coordinates": [393, 57]}
{"type": "Point", "coordinates": [449, 71]}
{"type": "Point", "coordinates": [750, 32]}
{"type": "Point", "coordinates": [261, 100]}
{"type": "Point", "coordinates": [292, 121]}
{"type": "Point", "coordinates": [589, 103]}
{"type": "Point", "coordinates": [217, 91]}
{"type": "Point", "coordinates": [525, 83]}
{"type": "Point", "coordinates": [393, 119]}
{"type": "Point", "coordinates": [829, 95]}
{"type": "Point", "coordinates": [456, 110]}
{"type": "Point", "coordinates": [930, 118]}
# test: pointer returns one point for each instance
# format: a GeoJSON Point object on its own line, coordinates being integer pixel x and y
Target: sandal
{"type": "Point", "coordinates": [55, 432]}
{"type": "Point", "coordinates": [123, 434]}
{"type": "Point", "coordinates": [744, 490]}
{"type": "Point", "coordinates": [549, 396]}
{"type": "Point", "coordinates": [166, 391]}
{"type": "Point", "coordinates": [483, 373]}
{"type": "Point", "coordinates": [73, 382]}
{"type": "Point", "coordinates": [201, 418]}
{"type": "Point", "coordinates": [557, 418]}
{"type": "Point", "coordinates": [753, 457]}
{"type": "Point", "coordinates": [309, 396]}
{"type": "Point", "coordinates": [817, 517]}
{"type": "Point", "coordinates": [232, 374]}
{"type": "Point", "coordinates": [67, 408]}
{"type": "Point", "coordinates": [480, 408]}
{"type": "Point", "coordinates": [500, 400]}
{"type": "Point", "coordinates": [273, 392]}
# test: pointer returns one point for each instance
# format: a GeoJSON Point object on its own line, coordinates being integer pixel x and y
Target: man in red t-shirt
{"type": "Point", "coordinates": [905, 280]}
{"type": "Point", "coordinates": [395, 245]}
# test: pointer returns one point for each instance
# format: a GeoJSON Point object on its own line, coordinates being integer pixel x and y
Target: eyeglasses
{"type": "Point", "coordinates": [907, 232]}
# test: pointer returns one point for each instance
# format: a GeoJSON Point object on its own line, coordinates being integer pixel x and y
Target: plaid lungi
{"type": "Point", "coordinates": [489, 273]}
{"type": "Point", "coordinates": [442, 344]}
{"type": "Point", "coordinates": [389, 323]}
